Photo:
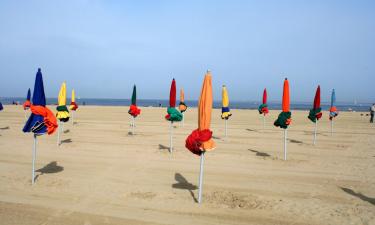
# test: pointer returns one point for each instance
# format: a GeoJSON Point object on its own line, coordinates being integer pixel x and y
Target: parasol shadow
{"type": "Point", "coordinates": [69, 140]}
{"type": "Point", "coordinates": [359, 195]}
{"type": "Point", "coordinates": [258, 153]}
{"type": "Point", "coordinates": [182, 183]}
{"type": "Point", "coordinates": [51, 167]}
{"type": "Point", "coordinates": [163, 147]}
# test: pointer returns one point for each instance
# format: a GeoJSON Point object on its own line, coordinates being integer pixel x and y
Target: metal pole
{"type": "Point", "coordinates": [201, 179]}
{"type": "Point", "coordinates": [33, 162]}
{"type": "Point", "coordinates": [264, 121]}
{"type": "Point", "coordinates": [316, 129]}
{"type": "Point", "coordinates": [72, 117]}
{"type": "Point", "coordinates": [285, 138]}
{"type": "Point", "coordinates": [331, 127]}
{"type": "Point", "coordinates": [171, 138]}
{"type": "Point", "coordinates": [183, 119]}
{"type": "Point", "coordinates": [58, 133]}
{"type": "Point", "coordinates": [133, 125]}
{"type": "Point", "coordinates": [226, 125]}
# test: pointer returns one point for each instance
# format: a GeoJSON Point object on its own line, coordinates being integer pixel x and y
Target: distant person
{"type": "Point", "coordinates": [372, 112]}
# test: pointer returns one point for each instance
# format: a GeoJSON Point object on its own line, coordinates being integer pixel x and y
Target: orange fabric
{"type": "Point", "coordinates": [205, 109]}
{"type": "Point", "coordinates": [182, 95]}
{"type": "Point", "coordinates": [49, 119]}
{"type": "Point", "coordinates": [333, 109]}
{"type": "Point", "coordinates": [286, 97]}
{"type": "Point", "coordinates": [26, 105]}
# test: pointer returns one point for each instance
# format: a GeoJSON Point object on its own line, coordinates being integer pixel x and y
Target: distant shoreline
{"type": "Point", "coordinates": [363, 107]}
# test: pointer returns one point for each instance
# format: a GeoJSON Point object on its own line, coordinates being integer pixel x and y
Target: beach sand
{"type": "Point", "coordinates": [103, 175]}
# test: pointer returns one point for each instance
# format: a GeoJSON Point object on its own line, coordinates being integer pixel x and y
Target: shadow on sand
{"type": "Point", "coordinates": [295, 141]}
{"type": "Point", "coordinates": [258, 153]}
{"type": "Point", "coordinates": [163, 147]}
{"type": "Point", "coordinates": [182, 183]}
{"type": "Point", "coordinates": [252, 130]}
{"type": "Point", "coordinates": [66, 141]}
{"type": "Point", "coordinates": [51, 167]}
{"type": "Point", "coordinates": [5, 128]}
{"type": "Point", "coordinates": [359, 195]}
{"type": "Point", "coordinates": [66, 131]}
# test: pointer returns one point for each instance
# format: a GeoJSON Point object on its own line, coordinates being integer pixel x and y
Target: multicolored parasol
{"type": "Point", "coordinates": [200, 140]}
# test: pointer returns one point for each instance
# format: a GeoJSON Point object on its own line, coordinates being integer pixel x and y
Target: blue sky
{"type": "Point", "coordinates": [101, 48]}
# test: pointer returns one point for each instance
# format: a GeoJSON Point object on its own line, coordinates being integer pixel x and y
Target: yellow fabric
{"type": "Point", "coordinates": [62, 95]}
{"type": "Point", "coordinates": [205, 109]}
{"type": "Point", "coordinates": [73, 96]}
{"type": "Point", "coordinates": [225, 99]}
{"type": "Point", "coordinates": [62, 115]}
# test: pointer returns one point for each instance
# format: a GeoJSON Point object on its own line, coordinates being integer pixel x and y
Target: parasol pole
{"type": "Point", "coordinates": [332, 127]}
{"type": "Point", "coordinates": [264, 121]}
{"type": "Point", "coordinates": [183, 119]}
{"type": "Point", "coordinates": [285, 138]}
{"type": "Point", "coordinates": [201, 178]}
{"type": "Point", "coordinates": [25, 116]}
{"type": "Point", "coordinates": [72, 117]}
{"type": "Point", "coordinates": [133, 124]}
{"type": "Point", "coordinates": [226, 127]}
{"type": "Point", "coordinates": [58, 133]}
{"type": "Point", "coordinates": [171, 138]}
{"type": "Point", "coordinates": [315, 130]}
{"type": "Point", "coordinates": [33, 161]}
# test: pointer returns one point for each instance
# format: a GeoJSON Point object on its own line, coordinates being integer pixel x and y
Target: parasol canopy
{"type": "Point", "coordinates": [27, 103]}
{"type": "Point", "coordinates": [200, 140]}
{"type": "Point", "coordinates": [62, 111]}
{"type": "Point", "coordinates": [333, 112]}
{"type": "Point", "coordinates": [182, 106]}
{"type": "Point", "coordinates": [173, 114]}
{"type": "Point", "coordinates": [73, 105]}
{"type": "Point", "coordinates": [225, 111]}
{"type": "Point", "coordinates": [263, 108]}
{"type": "Point", "coordinates": [284, 118]}
{"type": "Point", "coordinates": [134, 110]}
{"type": "Point", "coordinates": [316, 112]}
{"type": "Point", "coordinates": [41, 119]}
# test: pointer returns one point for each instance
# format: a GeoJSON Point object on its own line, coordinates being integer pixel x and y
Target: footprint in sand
{"type": "Point", "coordinates": [236, 200]}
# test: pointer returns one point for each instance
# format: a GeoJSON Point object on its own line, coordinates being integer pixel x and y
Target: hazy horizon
{"type": "Point", "coordinates": [102, 48]}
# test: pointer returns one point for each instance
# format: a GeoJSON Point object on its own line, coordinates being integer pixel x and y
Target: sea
{"type": "Point", "coordinates": [359, 107]}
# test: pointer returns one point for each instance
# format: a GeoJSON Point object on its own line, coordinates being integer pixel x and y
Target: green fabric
{"type": "Point", "coordinates": [312, 114]}
{"type": "Point", "coordinates": [174, 114]}
{"type": "Point", "coordinates": [134, 96]}
{"type": "Point", "coordinates": [62, 108]}
{"type": "Point", "coordinates": [261, 107]}
{"type": "Point", "coordinates": [282, 120]}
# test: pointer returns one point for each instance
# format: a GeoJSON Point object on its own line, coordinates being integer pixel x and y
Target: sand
{"type": "Point", "coordinates": [103, 175]}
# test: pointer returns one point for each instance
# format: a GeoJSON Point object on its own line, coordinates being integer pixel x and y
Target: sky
{"type": "Point", "coordinates": [102, 48]}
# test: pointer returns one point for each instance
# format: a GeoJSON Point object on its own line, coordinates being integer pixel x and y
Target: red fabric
{"type": "Point", "coordinates": [26, 104]}
{"type": "Point", "coordinates": [134, 110]}
{"type": "Point", "coordinates": [75, 106]}
{"type": "Point", "coordinates": [172, 94]}
{"type": "Point", "coordinates": [265, 110]}
{"type": "Point", "coordinates": [319, 115]}
{"type": "Point", "coordinates": [49, 119]}
{"type": "Point", "coordinates": [265, 97]}
{"type": "Point", "coordinates": [195, 140]}
{"type": "Point", "coordinates": [317, 99]}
